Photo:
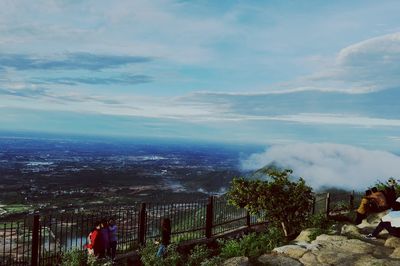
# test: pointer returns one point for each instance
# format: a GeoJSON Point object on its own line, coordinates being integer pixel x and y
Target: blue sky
{"type": "Point", "coordinates": [267, 72]}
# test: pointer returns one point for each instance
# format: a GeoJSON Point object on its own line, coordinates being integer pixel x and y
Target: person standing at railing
{"type": "Point", "coordinates": [104, 238]}
{"type": "Point", "coordinates": [165, 237]}
{"type": "Point", "coordinates": [112, 233]}
{"type": "Point", "coordinates": [94, 245]}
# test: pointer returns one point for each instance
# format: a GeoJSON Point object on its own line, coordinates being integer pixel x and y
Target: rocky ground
{"type": "Point", "coordinates": [344, 245]}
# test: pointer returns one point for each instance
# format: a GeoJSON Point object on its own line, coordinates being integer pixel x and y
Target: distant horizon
{"type": "Point", "coordinates": [320, 164]}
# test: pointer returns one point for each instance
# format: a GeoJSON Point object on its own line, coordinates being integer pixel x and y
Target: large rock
{"type": "Point", "coordinates": [392, 242]}
{"type": "Point", "coordinates": [293, 251]}
{"type": "Point", "coordinates": [237, 261]}
{"type": "Point", "coordinates": [277, 260]}
{"type": "Point", "coordinates": [341, 250]}
{"type": "Point", "coordinates": [343, 245]}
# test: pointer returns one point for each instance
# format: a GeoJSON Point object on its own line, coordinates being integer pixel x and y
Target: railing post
{"type": "Point", "coordinates": [142, 224]}
{"type": "Point", "coordinates": [327, 204]}
{"type": "Point", "coordinates": [351, 203]}
{"type": "Point", "coordinates": [313, 205]}
{"type": "Point", "coordinates": [35, 240]}
{"type": "Point", "coordinates": [248, 221]}
{"type": "Point", "coordinates": [209, 216]}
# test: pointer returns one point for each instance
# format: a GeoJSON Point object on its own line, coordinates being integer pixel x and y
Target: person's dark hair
{"type": "Point", "coordinates": [374, 189]}
{"type": "Point", "coordinates": [97, 223]}
{"type": "Point", "coordinates": [368, 192]}
{"type": "Point", "coordinates": [104, 222]}
{"type": "Point", "coordinates": [166, 223]}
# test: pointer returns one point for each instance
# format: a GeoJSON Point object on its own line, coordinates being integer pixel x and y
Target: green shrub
{"type": "Point", "coordinates": [214, 261]}
{"type": "Point", "coordinates": [148, 255]}
{"type": "Point", "coordinates": [78, 257]}
{"type": "Point", "coordinates": [230, 248]}
{"type": "Point", "coordinates": [340, 206]}
{"type": "Point", "coordinates": [252, 245]}
{"type": "Point", "coordinates": [319, 220]}
{"type": "Point", "coordinates": [74, 257]}
{"type": "Point", "coordinates": [284, 200]}
{"type": "Point", "coordinates": [197, 255]}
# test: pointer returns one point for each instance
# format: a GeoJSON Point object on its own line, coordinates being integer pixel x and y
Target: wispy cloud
{"type": "Point", "coordinates": [69, 61]}
{"type": "Point", "coordinates": [38, 93]}
{"type": "Point", "coordinates": [26, 92]}
{"type": "Point", "coordinates": [73, 81]}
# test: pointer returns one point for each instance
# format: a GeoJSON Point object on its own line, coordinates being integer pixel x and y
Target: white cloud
{"type": "Point", "coordinates": [328, 164]}
{"type": "Point", "coordinates": [363, 67]}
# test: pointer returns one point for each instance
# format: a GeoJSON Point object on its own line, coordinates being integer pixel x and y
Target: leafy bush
{"type": "Point", "coordinates": [148, 255]}
{"type": "Point", "coordinates": [285, 202]}
{"type": "Point", "coordinates": [319, 220]}
{"type": "Point", "coordinates": [340, 206]}
{"type": "Point", "coordinates": [214, 261]}
{"type": "Point", "coordinates": [74, 257]}
{"type": "Point", "coordinates": [252, 245]}
{"type": "Point", "coordinates": [382, 185]}
{"type": "Point", "coordinates": [197, 255]}
{"type": "Point", "coordinates": [230, 248]}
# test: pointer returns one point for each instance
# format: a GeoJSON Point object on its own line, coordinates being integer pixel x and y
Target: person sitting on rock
{"type": "Point", "coordinates": [380, 200]}
{"type": "Point", "coordinates": [390, 222]}
{"type": "Point", "coordinates": [366, 205]}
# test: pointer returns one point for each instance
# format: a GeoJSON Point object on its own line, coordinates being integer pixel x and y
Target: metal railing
{"type": "Point", "coordinates": [42, 239]}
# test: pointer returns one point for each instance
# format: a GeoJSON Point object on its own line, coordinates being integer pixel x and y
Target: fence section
{"type": "Point", "coordinates": [42, 239]}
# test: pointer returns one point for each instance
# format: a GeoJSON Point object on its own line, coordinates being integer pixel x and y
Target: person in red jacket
{"type": "Point", "coordinates": [95, 244]}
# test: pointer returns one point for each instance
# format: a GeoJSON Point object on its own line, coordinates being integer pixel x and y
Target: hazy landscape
{"type": "Point", "coordinates": [60, 172]}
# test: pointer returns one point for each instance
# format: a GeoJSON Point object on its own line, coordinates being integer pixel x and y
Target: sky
{"type": "Point", "coordinates": [264, 72]}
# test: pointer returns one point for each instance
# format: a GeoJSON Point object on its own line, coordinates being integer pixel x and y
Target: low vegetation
{"type": "Point", "coordinates": [284, 200]}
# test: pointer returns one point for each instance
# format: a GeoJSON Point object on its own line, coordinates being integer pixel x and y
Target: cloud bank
{"type": "Point", "coordinates": [363, 67]}
{"type": "Point", "coordinates": [328, 164]}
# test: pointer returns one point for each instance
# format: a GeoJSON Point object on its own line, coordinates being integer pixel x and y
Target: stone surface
{"type": "Point", "coordinates": [310, 259]}
{"type": "Point", "coordinates": [293, 251]}
{"type": "Point", "coordinates": [369, 260]}
{"type": "Point", "coordinates": [396, 253]}
{"type": "Point", "coordinates": [343, 244]}
{"type": "Point", "coordinates": [392, 242]}
{"type": "Point", "coordinates": [277, 260]}
{"type": "Point", "coordinates": [349, 248]}
{"type": "Point", "coordinates": [350, 229]}
{"type": "Point", "coordinates": [237, 261]}
{"type": "Point", "coordinates": [327, 257]}
{"type": "Point", "coordinates": [304, 235]}
{"type": "Point", "coordinates": [382, 252]}
{"type": "Point", "coordinates": [330, 238]}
